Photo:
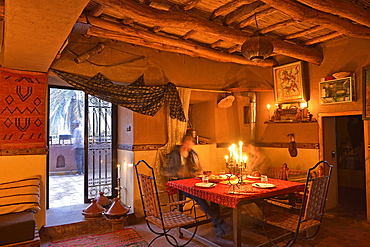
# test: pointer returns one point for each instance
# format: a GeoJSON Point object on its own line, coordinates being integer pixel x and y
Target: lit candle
{"type": "Point", "coordinates": [233, 146]}
{"type": "Point", "coordinates": [235, 154]}
{"type": "Point", "coordinates": [226, 158]}
{"type": "Point", "coordinates": [240, 151]}
{"type": "Point", "coordinates": [268, 111]}
{"type": "Point", "coordinates": [231, 152]}
{"type": "Point", "coordinates": [245, 159]}
{"type": "Point", "coordinates": [118, 171]}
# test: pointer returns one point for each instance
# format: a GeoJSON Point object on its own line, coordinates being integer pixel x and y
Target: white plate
{"type": "Point", "coordinates": [249, 176]}
{"type": "Point", "coordinates": [205, 185]}
{"type": "Point", "coordinates": [263, 186]}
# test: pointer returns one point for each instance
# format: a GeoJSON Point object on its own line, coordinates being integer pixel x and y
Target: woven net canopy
{"type": "Point", "coordinates": [147, 100]}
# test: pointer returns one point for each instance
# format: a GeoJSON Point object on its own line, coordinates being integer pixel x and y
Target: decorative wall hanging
{"type": "Point", "coordinates": [289, 83]}
{"type": "Point", "coordinates": [22, 112]}
{"type": "Point", "coordinates": [147, 100]}
{"type": "Point", "coordinates": [366, 93]}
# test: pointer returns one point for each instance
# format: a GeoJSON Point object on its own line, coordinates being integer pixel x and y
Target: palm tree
{"type": "Point", "coordinates": [66, 105]}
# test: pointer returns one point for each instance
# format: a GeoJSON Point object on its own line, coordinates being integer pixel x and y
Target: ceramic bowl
{"type": "Point", "coordinates": [341, 74]}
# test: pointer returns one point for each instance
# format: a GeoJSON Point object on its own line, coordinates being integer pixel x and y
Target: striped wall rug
{"type": "Point", "coordinates": [127, 237]}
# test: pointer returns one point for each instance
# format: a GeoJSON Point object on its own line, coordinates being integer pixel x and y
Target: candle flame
{"type": "Point", "coordinates": [245, 159]}
{"type": "Point", "coordinates": [268, 106]}
{"type": "Point", "coordinates": [226, 157]}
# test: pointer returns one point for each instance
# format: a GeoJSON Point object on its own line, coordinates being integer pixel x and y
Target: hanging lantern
{"type": "Point", "coordinates": [257, 48]}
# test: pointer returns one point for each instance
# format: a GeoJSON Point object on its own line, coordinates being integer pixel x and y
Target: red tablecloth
{"type": "Point", "coordinates": [219, 194]}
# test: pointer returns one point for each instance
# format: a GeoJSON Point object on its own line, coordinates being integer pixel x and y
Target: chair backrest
{"type": "Point", "coordinates": [315, 193]}
{"type": "Point", "coordinates": [148, 191]}
{"type": "Point", "coordinates": [149, 195]}
{"type": "Point", "coordinates": [316, 197]}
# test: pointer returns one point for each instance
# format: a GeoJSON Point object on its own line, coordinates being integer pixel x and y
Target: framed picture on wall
{"type": "Point", "coordinates": [366, 93]}
{"type": "Point", "coordinates": [289, 83]}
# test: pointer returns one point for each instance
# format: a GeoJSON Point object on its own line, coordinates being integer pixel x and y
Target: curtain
{"type": "Point", "coordinates": [147, 100]}
{"type": "Point", "coordinates": [176, 130]}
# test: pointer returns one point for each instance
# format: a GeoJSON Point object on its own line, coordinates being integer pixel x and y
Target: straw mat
{"type": "Point", "coordinates": [127, 237]}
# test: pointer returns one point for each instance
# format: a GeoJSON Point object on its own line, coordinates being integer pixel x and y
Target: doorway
{"type": "Point", "coordinates": [82, 147]}
{"type": "Point", "coordinates": [343, 145]}
{"type": "Point", "coordinates": [351, 164]}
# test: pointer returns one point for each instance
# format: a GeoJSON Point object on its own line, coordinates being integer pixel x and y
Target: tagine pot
{"type": "Point", "coordinates": [117, 210]}
{"type": "Point", "coordinates": [93, 210]}
{"type": "Point", "coordinates": [102, 200]}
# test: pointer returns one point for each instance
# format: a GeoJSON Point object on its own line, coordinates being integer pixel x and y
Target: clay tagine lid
{"type": "Point", "coordinates": [117, 209]}
{"type": "Point", "coordinates": [102, 199]}
{"type": "Point", "coordinates": [93, 210]}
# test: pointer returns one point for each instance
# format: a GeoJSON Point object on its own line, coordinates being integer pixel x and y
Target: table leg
{"type": "Point", "coordinates": [237, 241]}
{"type": "Point", "coordinates": [292, 201]}
{"type": "Point", "coordinates": [180, 207]}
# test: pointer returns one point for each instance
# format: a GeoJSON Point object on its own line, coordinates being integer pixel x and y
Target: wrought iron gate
{"type": "Point", "coordinates": [99, 153]}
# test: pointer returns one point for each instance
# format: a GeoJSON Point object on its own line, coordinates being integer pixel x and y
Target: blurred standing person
{"type": "Point", "coordinates": [78, 144]}
{"type": "Point", "coordinates": [257, 161]}
{"type": "Point", "coordinates": [183, 162]}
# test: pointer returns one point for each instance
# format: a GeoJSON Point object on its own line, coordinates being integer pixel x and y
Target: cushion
{"type": "Point", "coordinates": [16, 227]}
{"type": "Point", "coordinates": [20, 195]}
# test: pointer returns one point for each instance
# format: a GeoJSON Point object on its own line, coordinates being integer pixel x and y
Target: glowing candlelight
{"type": "Point", "coordinates": [118, 170]}
{"type": "Point", "coordinates": [236, 158]}
{"type": "Point", "coordinates": [268, 111]}
{"type": "Point", "coordinates": [226, 158]}
{"type": "Point", "coordinates": [231, 152]}
{"type": "Point", "coordinates": [233, 146]}
{"type": "Point", "coordinates": [245, 159]}
{"type": "Point", "coordinates": [240, 150]}
{"type": "Point", "coordinates": [303, 105]}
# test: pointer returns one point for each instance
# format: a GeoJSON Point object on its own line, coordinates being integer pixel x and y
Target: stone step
{"type": "Point", "coordinates": [68, 222]}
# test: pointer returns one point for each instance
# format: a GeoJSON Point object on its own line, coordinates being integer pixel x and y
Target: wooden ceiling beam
{"type": "Point", "coordinates": [234, 49]}
{"type": "Point", "coordinates": [98, 10]}
{"type": "Point", "coordinates": [304, 32]}
{"type": "Point", "coordinates": [189, 34]}
{"type": "Point", "coordinates": [111, 30]}
{"type": "Point", "coordinates": [217, 43]}
{"type": "Point", "coordinates": [241, 11]}
{"type": "Point", "coordinates": [322, 38]}
{"type": "Point", "coordinates": [278, 25]}
{"type": "Point", "coordinates": [305, 54]}
{"type": "Point", "coordinates": [301, 12]}
{"type": "Point", "coordinates": [341, 8]}
{"type": "Point", "coordinates": [191, 5]}
{"type": "Point", "coordinates": [258, 16]}
{"type": "Point", "coordinates": [148, 16]}
{"type": "Point", "coordinates": [227, 8]}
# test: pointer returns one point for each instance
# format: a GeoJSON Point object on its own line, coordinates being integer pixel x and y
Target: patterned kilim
{"type": "Point", "coordinates": [147, 100]}
{"type": "Point", "coordinates": [22, 109]}
{"type": "Point", "coordinates": [126, 237]}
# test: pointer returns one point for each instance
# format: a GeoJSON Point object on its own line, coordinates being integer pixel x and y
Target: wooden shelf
{"type": "Point", "coordinates": [289, 122]}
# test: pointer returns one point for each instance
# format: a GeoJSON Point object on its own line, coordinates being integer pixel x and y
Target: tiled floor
{"type": "Point", "coordinates": [66, 190]}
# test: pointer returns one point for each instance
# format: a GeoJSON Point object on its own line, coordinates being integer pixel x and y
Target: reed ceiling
{"type": "Point", "coordinates": [216, 29]}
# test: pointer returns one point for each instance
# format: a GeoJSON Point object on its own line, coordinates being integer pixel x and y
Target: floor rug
{"type": "Point", "coordinates": [126, 237]}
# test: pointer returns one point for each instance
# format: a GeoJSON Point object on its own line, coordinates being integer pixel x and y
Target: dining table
{"type": "Point", "coordinates": [234, 196]}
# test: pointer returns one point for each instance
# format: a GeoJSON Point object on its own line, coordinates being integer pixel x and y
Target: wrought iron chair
{"type": "Point", "coordinates": [311, 209]}
{"type": "Point", "coordinates": [152, 207]}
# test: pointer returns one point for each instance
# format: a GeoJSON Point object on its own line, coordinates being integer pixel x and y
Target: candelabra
{"type": "Point", "coordinates": [118, 188]}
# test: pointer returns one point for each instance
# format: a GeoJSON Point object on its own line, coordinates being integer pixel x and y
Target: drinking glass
{"type": "Point", "coordinates": [264, 179]}
{"type": "Point", "coordinates": [222, 173]}
{"type": "Point", "coordinates": [205, 179]}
